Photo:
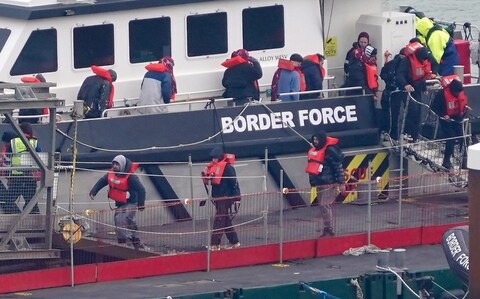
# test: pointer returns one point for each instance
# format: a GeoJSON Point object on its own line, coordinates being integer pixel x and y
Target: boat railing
{"type": "Point", "coordinates": [166, 107]}
{"type": "Point", "coordinates": [325, 91]}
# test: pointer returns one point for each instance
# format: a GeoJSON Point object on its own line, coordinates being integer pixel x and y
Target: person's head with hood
{"type": "Point", "coordinates": [456, 87]}
{"type": "Point", "coordinates": [119, 164]}
{"type": "Point", "coordinates": [168, 62]}
{"type": "Point", "coordinates": [26, 128]}
{"type": "Point", "coordinates": [417, 13]}
{"type": "Point", "coordinates": [296, 59]}
{"type": "Point", "coordinates": [242, 53]}
{"type": "Point", "coordinates": [216, 154]}
{"type": "Point", "coordinates": [363, 39]}
{"type": "Point", "coordinates": [319, 139]}
{"type": "Point", "coordinates": [423, 26]}
{"type": "Point", "coordinates": [113, 75]}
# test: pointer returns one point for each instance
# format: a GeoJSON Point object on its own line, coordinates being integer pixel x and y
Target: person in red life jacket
{"type": "Point", "coordinates": [412, 72]}
{"type": "Point", "coordinates": [240, 77]}
{"type": "Point", "coordinates": [288, 78]}
{"type": "Point", "coordinates": [449, 104]}
{"type": "Point", "coordinates": [363, 71]}
{"type": "Point", "coordinates": [326, 176]}
{"type": "Point", "coordinates": [129, 195]}
{"type": "Point", "coordinates": [314, 73]}
{"type": "Point", "coordinates": [38, 78]}
{"type": "Point", "coordinates": [20, 182]}
{"type": "Point", "coordinates": [225, 194]}
{"type": "Point", "coordinates": [158, 86]}
{"type": "Point", "coordinates": [97, 92]}
{"type": "Point", "coordinates": [362, 41]}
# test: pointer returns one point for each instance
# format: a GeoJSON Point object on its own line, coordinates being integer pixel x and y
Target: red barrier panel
{"type": "Point", "coordinates": [463, 48]}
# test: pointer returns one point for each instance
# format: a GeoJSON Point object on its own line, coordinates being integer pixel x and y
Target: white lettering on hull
{"type": "Point", "coordinates": [285, 119]}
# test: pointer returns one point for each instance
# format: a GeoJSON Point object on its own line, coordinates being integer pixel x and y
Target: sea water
{"type": "Point", "coordinates": [459, 11]}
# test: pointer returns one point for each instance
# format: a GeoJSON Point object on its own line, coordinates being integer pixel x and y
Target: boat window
{"type": "Point", "coordinates": [150, 39]}
{"type": "Point", "coordinates": [4, 34]}
{"type": "Point", "coordinates": [39, 55]}
{"type": "Point", "coordinates": [93, 45]}
{"type": "Point", "coordinates": [207, 34]}
{"type": "Point", "coordinates": [263, 28]}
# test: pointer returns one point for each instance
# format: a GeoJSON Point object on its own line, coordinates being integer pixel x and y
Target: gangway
{"type": "Point", "coordinates": [17, 231]}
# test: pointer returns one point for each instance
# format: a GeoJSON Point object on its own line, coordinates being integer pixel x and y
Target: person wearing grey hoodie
{"type": "Point", "coordinates": [129, 195]}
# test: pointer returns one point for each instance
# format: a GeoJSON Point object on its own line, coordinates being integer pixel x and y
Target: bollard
{"type": "Point", "coordinates": [383, 258]}
{"type": "Point", "coordinates": [399, 255]}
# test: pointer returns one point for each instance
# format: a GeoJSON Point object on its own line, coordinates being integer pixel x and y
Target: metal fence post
{"type": "Point", "coordinates": [369, 209]}
{"type": "Point", "coordinates": [190, 165]}
{"type": "Point", "coordinates": [281, 216]}
{"type": "Point", "coordinates": [209, 229]}
{"type": "Point", "coordinates": [265, 218]}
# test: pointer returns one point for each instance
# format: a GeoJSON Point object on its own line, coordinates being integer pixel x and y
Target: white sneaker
{"type": "Point", "coordinates": [215, 247]}
{"type": "Point", "coordinates": [232, 246]}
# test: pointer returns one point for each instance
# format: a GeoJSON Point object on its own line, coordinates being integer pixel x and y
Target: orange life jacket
{"type": "Point", "coordinates": [316, 157]}
{"type": "Point", "coordinates": [233, 61]}
{"type": "Point", "coordinates": [314, 58]}
{"type": "Point", "coordinates": [119, 184]}
{"type": "Point", "coordinates": [371, 72]}
{"type": "Point", "coordinates": [419, 70]}
{"type": "Point", "coordinates": [156, 67]}
{"type": "Point", "coordinates": [105, 74]}
{"type": "Point", "coordinates": [303, 84]}
{"type": "Point", "coordinates": [455, 105]}
{"type": "Point", "coordinates": [30, 80]}
{"type": "Point", "coordinates": [285, 65]}
{"type": "Point", "coordinates": [213, 172]}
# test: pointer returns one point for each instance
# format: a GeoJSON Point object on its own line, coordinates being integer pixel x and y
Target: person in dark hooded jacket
{"type": "Point", "coordinates": [314, 73]}
{"type": "Point", "coordinates": [129, 195]}
{"type": "Point", "coordinates": [326, 176]}
{"type": "Point", "coordinates": [97, 92]}
{"type": "Point", "coordinates": [225, 192]}
{"type": "Point", "coordinates": [240, 77]}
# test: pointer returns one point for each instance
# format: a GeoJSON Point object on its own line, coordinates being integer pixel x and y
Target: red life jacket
{"type": "Point", "coordinates": [213, 172]}
{"type": "Point", "coordinates": [371, 72]}
{"type": "Point", "coordinates": [30, 80]}
{"type": "Point", "coordinates": [156, 67]}
{"type": "Point", "coordinates": [303, 84]}
{"type": "Point", "coordinates": [119, 184]}
{"type": "Point", "coordinates": [233, 61]}
{"type": "Point", "coordinates": [419, 70]}
{"type": "Point", "coordinates": [314, 59]}
{"type": "Point", "coordinates": [105, 74]}
{"type": "Point", "coordinates": [285, 65]}
{"type": "Point", "coordinates": [316, 158]}
{"type": "Point", "coordinates": [455, 105]}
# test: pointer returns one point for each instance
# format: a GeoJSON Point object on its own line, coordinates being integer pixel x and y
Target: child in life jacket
{"type": "Point", "coordinates": [450, 104]}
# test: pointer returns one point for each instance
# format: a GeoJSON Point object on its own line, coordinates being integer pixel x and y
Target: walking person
{"type": "Point", "coordinates": [449, 104]}
{"type": "Point", "coordinates": [326, 176]}
{"type": "Point", "coordinates": [158, 86]}
{"type": "Point", "coordinates": [97, 92]}
{"type": "Point", "coordinates": [129, 195]}
{"type": "Point", "coordinates": [225, 194]}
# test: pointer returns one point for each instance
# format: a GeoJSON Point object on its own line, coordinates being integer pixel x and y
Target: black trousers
{"type": "Point", "coordinates": [398, 101]}
{"type": "Point", "coordinates": [21, 185]}
{"type": "Point", "coordinates": [223, 223]}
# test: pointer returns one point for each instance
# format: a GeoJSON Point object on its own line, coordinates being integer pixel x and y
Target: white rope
{"type": "Point", "coordinates": [362, 250]}
{"type": "Point", "coordinates": [400, 278]}
{"type": "Point", "coordinates": [358, 288]}
{"type": "Point", "coordinates": [153, 147]}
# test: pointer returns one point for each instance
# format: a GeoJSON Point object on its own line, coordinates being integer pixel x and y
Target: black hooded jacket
{"type": "Point", "coordinates": [332, 171]}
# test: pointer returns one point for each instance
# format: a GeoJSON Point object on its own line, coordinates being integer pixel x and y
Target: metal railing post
{"type": "Point", "coordinates": [369, 209]}
{"type": "Point", "coordinates": [265, 218]}
{"type": "Point", "coordinates": [281, 216]}
{"type": "Point", "coordinates": [190, 165]}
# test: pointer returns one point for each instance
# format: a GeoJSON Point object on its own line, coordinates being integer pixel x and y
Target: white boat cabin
{"type": "Point", "coordinates": [62, 39]}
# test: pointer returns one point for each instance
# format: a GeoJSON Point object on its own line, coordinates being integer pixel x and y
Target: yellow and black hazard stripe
{"type": "Point", "coordinates": [356, 171]}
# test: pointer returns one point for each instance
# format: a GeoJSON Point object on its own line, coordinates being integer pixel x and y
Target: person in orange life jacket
{"type": "Point", "coordinates": [362, 41]}
{"type": "Point", "coordinates": [38, 78]}
{"type": "Point", "coordinates": [314, 73]}
{"type": "Point", "coordinates": [326, 175]}
{"type": "Point", "coordinates": [449, 104]}
{"type": "Point", "coordinates": [129, 195]}
{"type": "Point", "coordinates": [240, 77]}
{"type": "Point", "coordinates": [412, 72]}
{"type": "Point", "coordinates": [363, 71]}
{"type": "Point", "coordinates": [158, 86]}
{"type": "Point", "coordinates": [288, 78]}
{"type": "Point", "coordinates": [225, 192]}
{"type": "Point", "coordinates": [20, 182]}
{"type": "Point", "coordinates": [97, 92]}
